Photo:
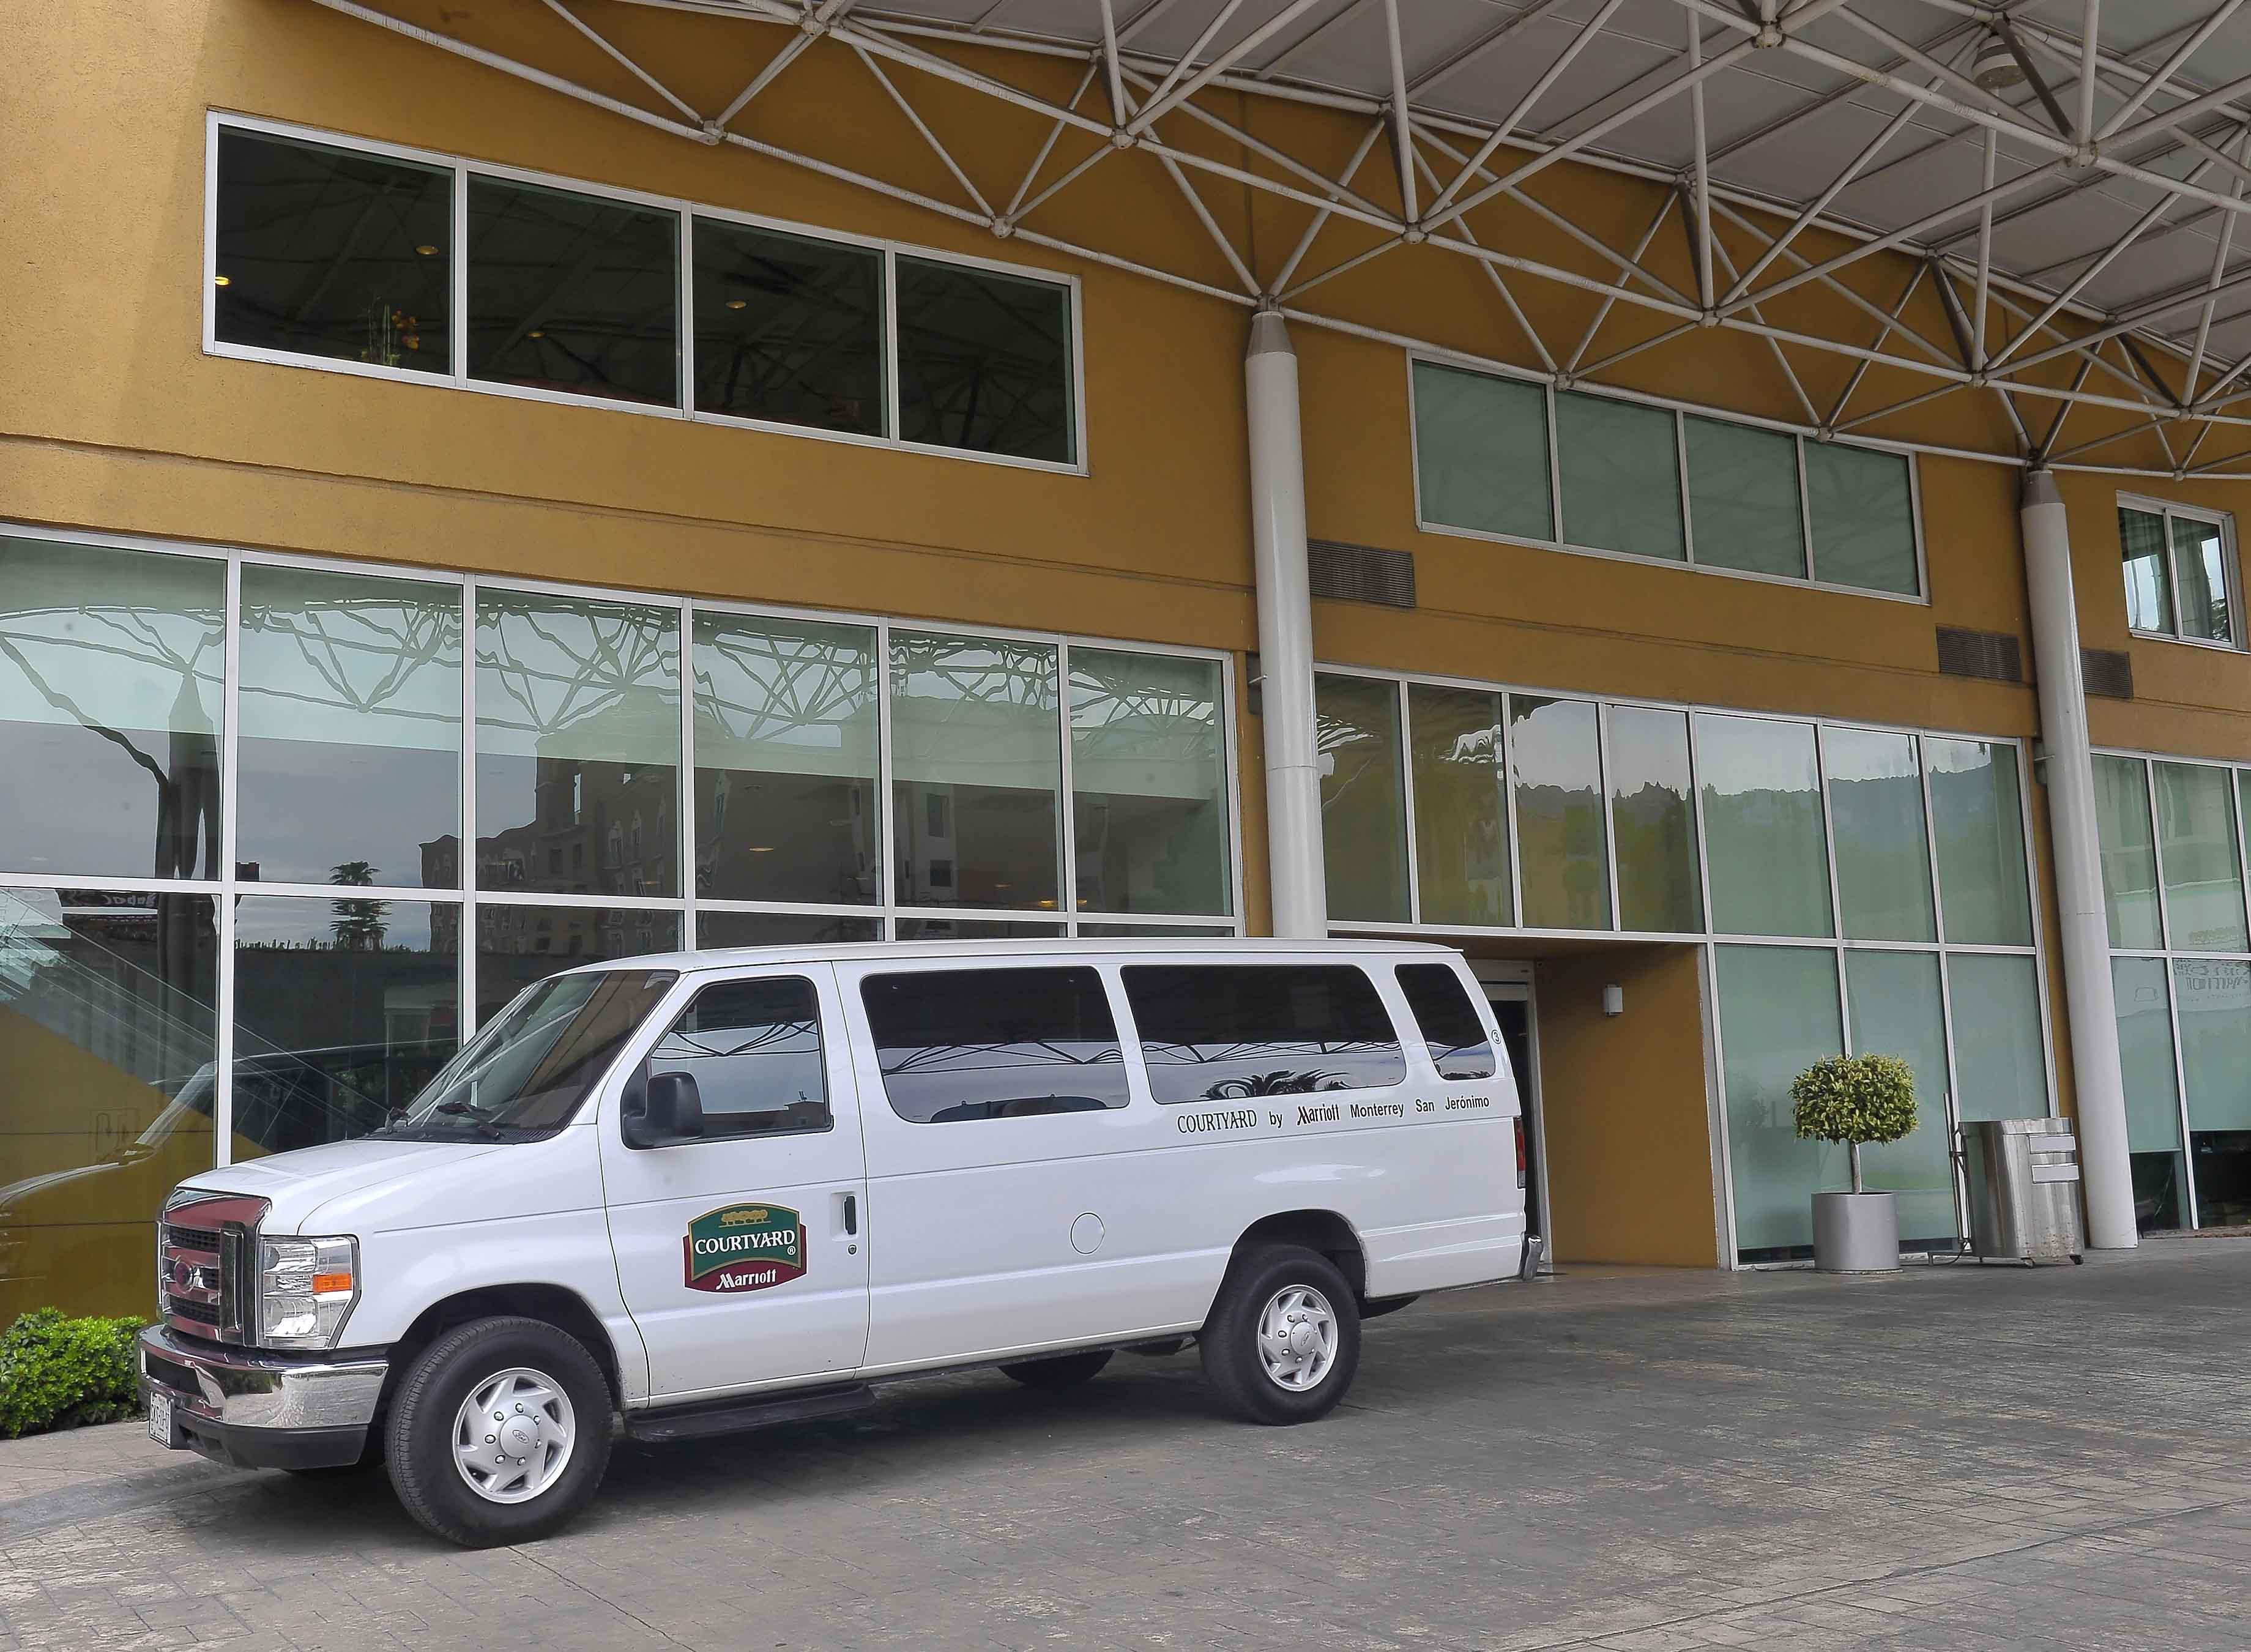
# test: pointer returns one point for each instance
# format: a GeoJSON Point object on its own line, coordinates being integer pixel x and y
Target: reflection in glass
{"type": "Point", "coordinates": [985, 362]}
{"type": "Point", "coordinates": [976, 772]}
{"type": "Point", "coordinates": [788, 328]}
{"type": "Point", "coordinates": [2130, 859]}
{"type": "Point", "coordinates": [349, 764]}
{"type": "Point", "coordinates": [1556, 764]}
{"type": "Point", "coordinates": [1883, 856]}
{"type": "Point", "coordinates": [1216, 1032]}
{"type": "Point", "coordinates": [1459, 1045]}
{"type": "Point", "coordinates": [2215, 1043]}
{"type": "Point", "coordinates": [1149, 798]}
{"type": "Point", "coordinates": [2145, 1060]}
{"type": "Point", "coordinates": [2200, 574]}
{"type": "Point", "coordinates": [1481, 453]}
{"type": "Point", "coordinates": [1620, 469]}
{"type": "Point", "coordinates": [344, 1010]}
{"type": "Point", "coordinates": [912, 928]}
{"type": "Point", "coordinates": [1653, 821]}
{"type": "Point", "coordinates": [1862, 504]}
{"type": "Point", "coordinates": [1897, 1009]}
{"type": "Point", "coordinates": [716, 930]}
{"type": "Point", "coordinates": [2001, 1065]}
{"type": "Point", "coordinates": [573, 293]}
{"type": "Point", "coordinates": [111, 665]}
{"type": "Point", "coordinates": [517, 945]}
{"type": "Point", "coordinates": [753, 1050]}
{"type": "Point", "coordinates": [327, 252]}
{"type": "Point", "coordinates": [1152, 931]}
{"type": "Point", "coordinates": [577, 745]}
{"type": "Point", "coordinates": [2203, 864]}
{"type": "Point", "coordinates": [1979, 822]}
{"type": "Point", "coordinates": [961, 1046]}
{"type": "Point", "coordinates": [107, 1037]}
{"type": "Point", "coordinates": [1461, 811]}
{"type": "Point", "coordinates": [1777, 1016]}
{"type": "Point", "coordinates": [786, 761]}
{"type": "Point", "coordinates": [1363, 813]}
{"type": "Point", "coordinates": [1763, 840]}
{"type": "Point", "coordinates": [1742, 498]}
{"type": "Point", "coordinates": [2149, 580]}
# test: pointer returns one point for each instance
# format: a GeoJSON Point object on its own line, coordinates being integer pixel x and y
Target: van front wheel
{"type": "Point", "coordinates": [1282, 1340]}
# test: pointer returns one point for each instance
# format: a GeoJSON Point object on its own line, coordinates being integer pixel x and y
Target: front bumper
{"type": "Point", "coordinates": [264, 1410]}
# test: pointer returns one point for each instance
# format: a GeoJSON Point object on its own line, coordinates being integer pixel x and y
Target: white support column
{"type": "Point", "coordinates": [1285, 632]}
{"type": "Point", "coordinates": [2085, 936]}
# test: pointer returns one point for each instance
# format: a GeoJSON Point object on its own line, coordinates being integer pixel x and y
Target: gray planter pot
{"type": "Point", "coordinates": [1856, 1233]}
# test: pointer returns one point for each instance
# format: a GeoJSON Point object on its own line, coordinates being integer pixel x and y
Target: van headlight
{"type": "Point", "coordinates": [306, 1287]}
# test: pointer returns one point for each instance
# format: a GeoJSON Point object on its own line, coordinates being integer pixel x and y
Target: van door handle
{"type": "Point", "coordinates": [851, 1213]}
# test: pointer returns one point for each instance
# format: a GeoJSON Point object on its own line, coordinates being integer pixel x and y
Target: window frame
{"type": "Point", "coordinates": [2165, 510]}
{"type": "Point", "coordinates": [686, 211]}
{"type": "Point", "coordinates": [699, 984]}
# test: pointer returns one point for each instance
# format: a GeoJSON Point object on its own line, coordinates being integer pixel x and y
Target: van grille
{"type": "Point", "coordinates": [202, 1273]}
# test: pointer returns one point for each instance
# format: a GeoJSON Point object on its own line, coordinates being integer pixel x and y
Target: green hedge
{"type": "Point", "coordinates": [58, 1372]}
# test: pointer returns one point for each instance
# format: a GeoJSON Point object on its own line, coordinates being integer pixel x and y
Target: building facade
{"type": "Point", "coordinates": [451, 530]}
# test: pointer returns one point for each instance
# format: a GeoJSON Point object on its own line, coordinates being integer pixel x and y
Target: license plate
{"type": "Point", "coordinates": [160, 1418]}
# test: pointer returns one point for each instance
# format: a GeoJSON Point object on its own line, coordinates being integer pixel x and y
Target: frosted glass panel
{"type": "Point", "coordinates": [2196, 845]}
{"type": "Point", "coordinates": [1897, 1011]}
{"type": "Point", "coordinates": [2149, 583]}
{"type": "Point", "coordinates": [1653, 821]}
{"type": "Point", "coordinates": [2001, 1069]}
{"type": "Point", "coordinates": [1461, 812]}
{"type": "Point", "coordinates": [1556, 763]}
{"type": "Point", "coordinates": [2215, 1039]}
{"type": "Point", "coordinates": [1980, 827]}
{"type": "Point", "coordinates": [1621, 474]}
{"type": "Point", "coordinates": [1769, 863]}
{"type": "Point", "coordinates": [1363, 809]}
{"type": "Point", "coordinates": [1150, 798]}
{"type": "Point", "coordinates": [2146, 1053]}
{"type": "Point", "coordinates": [1778, 1017]}
{"type": "Point", "coordinates": [1863, 512]}
{"type": "Point", "coordinates": [2200, 576]}
{"type": "Point", "coordinates": [1883, 860]}
{"type": "Point", "coordinates": [2129, 863]}
{"type": "Point", "coordinates": [1742, 498]}
{"type": "Point", "coordinates": [1481, 453]}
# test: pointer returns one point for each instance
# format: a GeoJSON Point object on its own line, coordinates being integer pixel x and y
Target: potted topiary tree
{"type": "Point", "coordinates": [1855, 1099]}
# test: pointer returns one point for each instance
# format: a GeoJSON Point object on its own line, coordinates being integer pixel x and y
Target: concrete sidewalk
{"type": "Point", "coordinates": [1955, 1457]}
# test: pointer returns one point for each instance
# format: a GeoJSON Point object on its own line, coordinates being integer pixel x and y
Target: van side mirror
{"type": "Point", "coordinates": [662, 1109]}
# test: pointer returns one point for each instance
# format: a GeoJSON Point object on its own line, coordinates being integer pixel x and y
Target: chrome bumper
{"type": "Point", "coordinates": [240, 1388]}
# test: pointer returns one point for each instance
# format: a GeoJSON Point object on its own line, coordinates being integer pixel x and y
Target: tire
{"type": "Point", "coordinates": [1058, 1371]}
{"type": "Point", "coordinates": [564, 1436]}
{"type": "Point", "coordinates": [1263, 1291]}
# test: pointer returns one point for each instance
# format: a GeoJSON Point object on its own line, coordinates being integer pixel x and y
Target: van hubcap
{"type": "Point", "coordinates": [1297, 1337]}
{"type": "Point", "coordinates": [513, 1435]}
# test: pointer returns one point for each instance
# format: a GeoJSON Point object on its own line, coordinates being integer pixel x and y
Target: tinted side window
{"type": "Point", "coordinates": [1220, 1032]}
{"type": "Point", "coordinates": [955, 1045]}
{"type": "Point", "coordinates": [1447, 1020]}
{"type": "Point", "coordinates": [753, 1049]}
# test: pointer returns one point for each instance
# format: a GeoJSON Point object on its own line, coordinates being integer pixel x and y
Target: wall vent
{"type": "Point", "coordinates": [1343, 572]}
{"type": "Point", "coordinates": [2108, 672]}
{"type": "Point", "coordinates": [1995, 655]}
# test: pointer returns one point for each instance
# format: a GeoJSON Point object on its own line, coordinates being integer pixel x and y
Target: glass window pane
{"type": "Point", "coordinates": [788, 328]}
{"type": "Point", "coordinates": [348, 764]}
{"type": "Point", "coordinates": [976, 763]}
{"type": "Point", "coordinates": [1763, 831]}
{"type": "Point", "coordinates": [1980, 821]}
{"type": "Point", "coordinates": [985, 362]}
{"type": "Point", "coordinates": [1217, 1032]}
{"type": "Point", "coordinates": [2149, 582]}
{"type": "Point", "coordinates": [1148, 773]}
{"type": "Point", "coordinates": [320, 252]}
{"type": "Point", "coordinates": [111, 668]}
{"type": "Point", "coordinates": [1897, 1009]}
{"type": "Point", "coordinates": [1883, 858]}
{"type": "Point", "coordinates": [107, 1037]}
{"type": "Point", "coordinates": [1481, 453]}
{"type": "Point", "coordinates": [1653, 819]}
{"type": "Point", "coordinates": [2145, 1058]}
{"type": "Point", "coordinates": [344, 1010]}
{"type": "Point", "coordinates": [1152, 931]}
{"type": "Point", "coordinates": [2215, 1039]}
{"type": "Point", "coordinates": [2130, 862]}
{"type": "Point", "coordinates": [786, 761]}
{"type": "Point", "coordinates": [1777, 1016]}
{"type": "Point", "coordinates": [2203, 866]}
{"type": "Point", "coordinates": [960, 1046]}
{"type": "Point", "coordinates": [753, 1049]}
{"type": "Point", "coordinates": [573, 293]}
{"type": "Point", "coordinates": [976, 929]}
{"type": "Point", "coordinates": [517, 945]}
{"type": "Point", "coordinates": [1554, 757]}
{"type": "Point", "coordinates": [577, 745]}
{"type": "Point", "coordinates": [1742, 498]}
{"type": "Point", "coordinates": [2200, 573]}
{"type": "Point", "coordinates": [1363, 817]}
{"type": "Point", "coordinates": [1461, 813]}
{"type": "Point", "coordinates": [2000, 1067]}
{"type": "Point", "coordinates": [717, 929]}
{"type": "Point", "coordinates": [1620, 469]}
{"type": "Point", "coordinates": [1458, 1044]}
{"type": "Point", "coordinates": [1863, 510]}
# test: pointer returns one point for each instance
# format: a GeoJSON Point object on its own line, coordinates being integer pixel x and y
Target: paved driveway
{"type": "Point", "coordinates": [1954, 1458]}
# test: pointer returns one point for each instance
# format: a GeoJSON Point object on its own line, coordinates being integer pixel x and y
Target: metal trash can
{"type": "Point", "coordinates": [2022, 1177]}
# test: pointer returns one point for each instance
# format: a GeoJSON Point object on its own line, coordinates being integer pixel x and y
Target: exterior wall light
{"type": "Point", "coordinates": [1613, 999]}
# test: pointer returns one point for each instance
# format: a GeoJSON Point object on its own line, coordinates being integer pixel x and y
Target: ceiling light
{"type": "Point", "coordinates": [738, 303]}
{"type": "Point", "coordinates": [428, 251]}
{"type": "Point", "coordinates": [220, 280]}
{"type": "Point", "coordinates": [536, 333]}
{"type": "Point", "coordinates": [1996, 67]}
{"type": "Point", "coordinates": [759, 849]}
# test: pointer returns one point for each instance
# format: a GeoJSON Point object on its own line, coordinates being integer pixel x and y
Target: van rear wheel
{"type": "Point", "coordinates": [1059, 1371]}
{"type": "Point", "coordinates": [1283, 1341]}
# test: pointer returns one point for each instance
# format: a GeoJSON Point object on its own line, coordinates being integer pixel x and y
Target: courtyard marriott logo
{"type": "Point", "coordinates": [744, 1248]}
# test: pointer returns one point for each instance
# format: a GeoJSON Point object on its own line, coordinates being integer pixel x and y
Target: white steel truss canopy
{"type": "Point", "coordinates": [2060, 185]}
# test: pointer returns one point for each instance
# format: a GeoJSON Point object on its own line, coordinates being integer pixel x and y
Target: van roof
{"type": "Point", "coordinates": [848, 952]}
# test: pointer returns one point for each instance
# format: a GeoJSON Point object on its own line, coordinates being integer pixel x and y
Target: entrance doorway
{"type": "Point", "coordinates": [1509, 990]}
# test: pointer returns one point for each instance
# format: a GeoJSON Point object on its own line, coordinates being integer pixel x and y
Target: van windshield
{"type": "Point", "coordinates": [535, 1061]}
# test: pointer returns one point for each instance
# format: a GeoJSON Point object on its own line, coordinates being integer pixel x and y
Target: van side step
{"type": "Point", "coordinates": [733, 1416]}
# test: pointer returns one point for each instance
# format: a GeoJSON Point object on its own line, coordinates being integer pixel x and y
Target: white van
{"type": "Point", "coordinates": [711, 1189]}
